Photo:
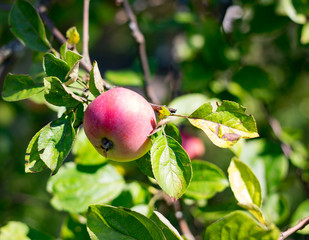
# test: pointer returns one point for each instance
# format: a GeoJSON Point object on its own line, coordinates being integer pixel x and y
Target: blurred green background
{"type": "Point", "coordinates": [252, 52]}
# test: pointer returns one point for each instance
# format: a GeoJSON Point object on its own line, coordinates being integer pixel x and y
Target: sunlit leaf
{"type": "Point", "coordinates": [226, 125]}
{"type": "Point", "coordinates": [239, 225]}
{"type": "Point", "coordinates": [207, 180]}
{"type": "Point", "coordinates": [72, 35]}
{"type": "Point", "coordinates": [171, 166]}
{"type": "Point", "coordinates": [27, 26]}
{"type": "Point", "coordinates": [109, 223]}
{"type": "Point", "coordinates": [168, 229]}
{"type": "Point", "coordinates": [287, 8]}
{"type": "Point", "coordinates": [246, 188]}
{"type": "Point", "coordinates": [124, 78]}
{"type": "Point", "coordinates": [75, 187]}
{"type": "Point", "coordinates": [18, 87]}
{"type": "Point", "coordinates": [96, 85]}
{"type": "Point", "coordinates": [55, 142]}
{"type": "Point", "coordinates": [18, 230]}
{"type": "Point", "coordinates": [304, 39]}
{"type": "Point", "coordinates": [72, 58]}
{"type": "Point", "coordinates": [33, 161]}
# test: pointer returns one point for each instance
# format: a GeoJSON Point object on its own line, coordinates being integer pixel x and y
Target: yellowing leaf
{"type": "Point", "coordinates": [246, 188]}
{"type": "Point", "coordinates": [163, 112]}
{"type": "Point", "coordinates": [72, 35]}
{"type": "Point", "coordinates": [225, 126]}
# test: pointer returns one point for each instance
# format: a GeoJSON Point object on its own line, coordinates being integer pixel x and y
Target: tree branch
{"type": "Point", "coordinates": [300, 225]}
{"type": "Point", "coordinates": [184, 227]}
{"type": "Point", "coordinates": [86, 32]}
{"type": "Point", "coordinates": [139, 38]}
{"type": "Point", "coordinates": [56, 33]}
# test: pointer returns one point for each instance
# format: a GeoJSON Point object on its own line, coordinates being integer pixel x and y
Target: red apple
{"type": "Point", "coordinates": [118, 123]}
{"type": "Point", "coordinates": [194, 146]}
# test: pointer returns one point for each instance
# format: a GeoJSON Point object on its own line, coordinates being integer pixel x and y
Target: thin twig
{"type": "Point", "coordinates": [86, 32]}
{"type": "Point", "coordinates": [300, 225]}
{"type": "Point", "coordinates": [184, 227]}
{"type": "Point", "coordinates": [157, 108]}
{"type": "Point", "coordinates": [277, 129]}
{"type": "Point", "coordinates": [286, 148]}
{"type": "Point", "coordinates": [182, 222]}
{"type": "Point", "coordinates": [56, 33]}
{"type": "Point", "coordinates": [140, 39]}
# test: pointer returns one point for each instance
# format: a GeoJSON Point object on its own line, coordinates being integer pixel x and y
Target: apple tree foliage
{"type": "Point", "coordinates": [245, 198]}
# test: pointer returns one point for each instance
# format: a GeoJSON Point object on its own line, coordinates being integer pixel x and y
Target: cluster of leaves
{"type": "Point", "coordinates": [84, 188]}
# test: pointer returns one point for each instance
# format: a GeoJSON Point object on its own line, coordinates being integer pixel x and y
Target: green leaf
{"type": "Point", "coordinates": [287, 8]}
{"type": "Point", "coordinates": [63, 49]}
{"type": "Point", "coordinates": [55, 142]}
{"type": "Point", "coordinates": [33, 161]}
{"type": "Point", "coordinates": [144, 164]}
{"type": "Point", "coordinates": [246, 188]}
{"type": "Point", "coordinates": [55, 67]}
{"type": "Point", "coordinates": [134, 194]}
{"type": "Point", "coordinates": [244, 183]}
{"type": "Point", "coordinates": [58, 94]}
{"type": "Point", "coordinates": [260, 86]}
{"type": "Point", "coordinates": [304, 39]}
{"type": "Point", "coordinates": [124, 78]}
{"type": "Point", "coordinates": [84, 152]}
{"type": "Point", "coordinates": [171, 166]}
{"type": "Point", "coordinates": [238, 226]}
{"type": "Point", "coordinates": [168, 229]}
{"type": "Point", "coordinates": [173, 131]}
{"type": "Point", "coordinates": [207, 180]}
{"type": "Point", "coordinates": [18, 87]}
{"type": "Point", "coordinates": [301, 212]}
{"type": "Point", "coordinates": [74, 228]}
{"type": "Point", "coordinates": [277, 208]}
{"type": "Point", "coordinates": [96, 85]}
{"type": "Point", "coordinates": [72, 58]}
{"type": "Point", "coordinates": [226, 125]}
{"type": "Point", "coordinates": [76, 187]}
{"type": "Point", "coordinates": [27, 26]}
{"type": "Point", "coordinates": [110, 223]}
{"type": "Point", "coordinates": [18, 230]}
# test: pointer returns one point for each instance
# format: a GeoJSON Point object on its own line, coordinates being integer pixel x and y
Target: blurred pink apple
{"type": "Point", "coordinates": [118, 123]}
{"type": "Point", "coordinates": [194, 146]}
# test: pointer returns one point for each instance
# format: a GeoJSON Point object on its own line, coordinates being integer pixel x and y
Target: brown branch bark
{"type": "Point", "coordinates": [140, 39]}
{"type": "Point", "coordinates": [184, 227]}
{"type": "Point", "coordinates": [276, 127]}
{"type": "Point", "coordinates": [56, 33]}
{"type": "Point", "coordinates": [300, 225]}
{"type": "Point", "coordinates": [86, 32]}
